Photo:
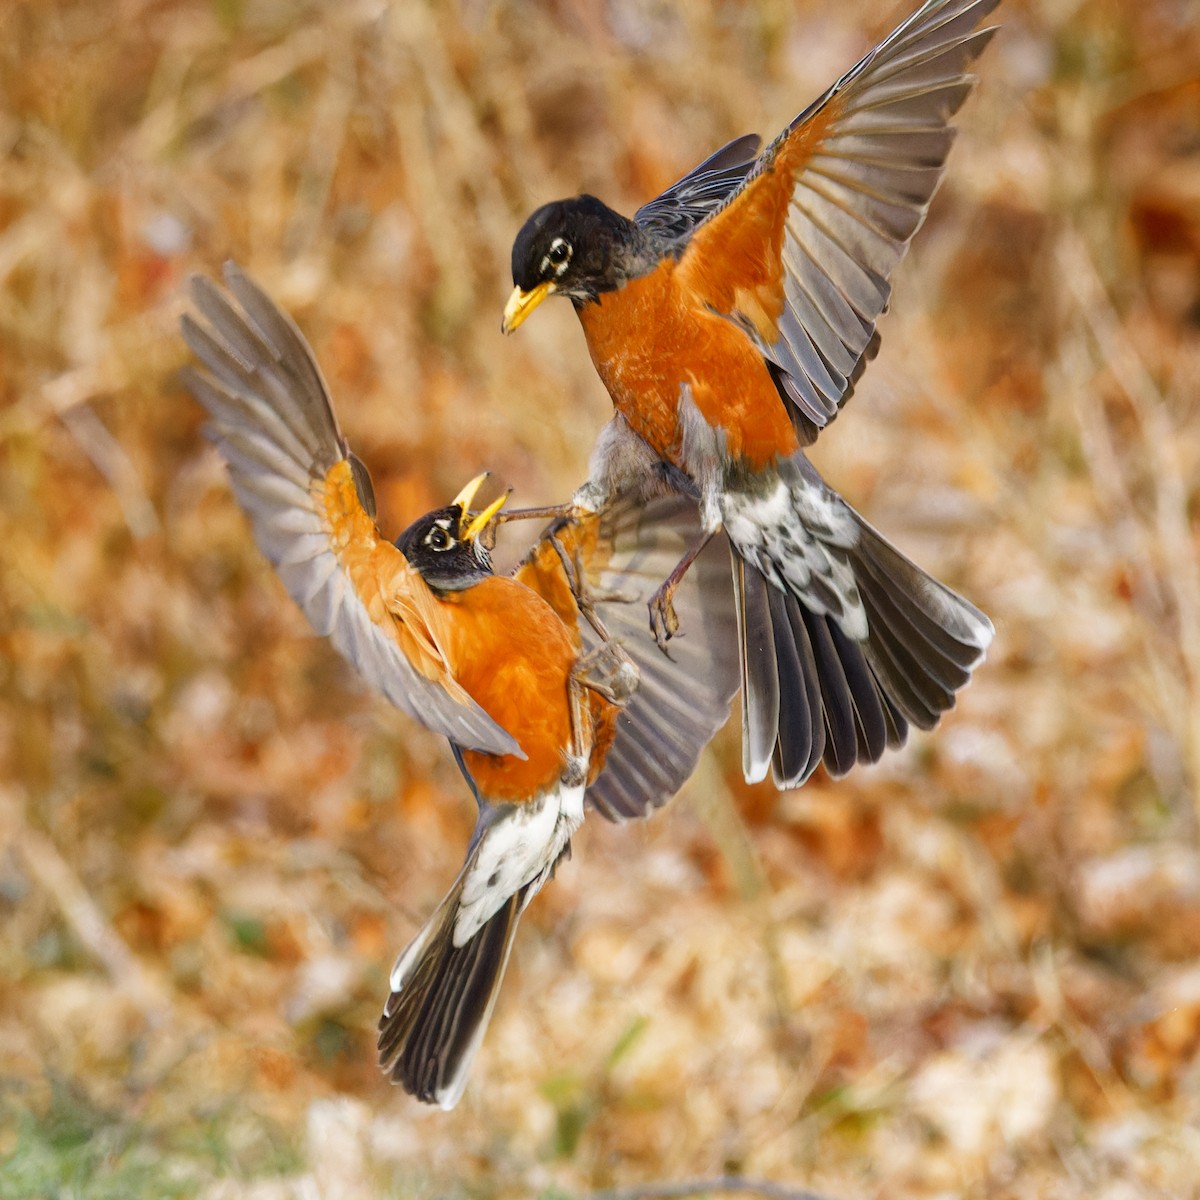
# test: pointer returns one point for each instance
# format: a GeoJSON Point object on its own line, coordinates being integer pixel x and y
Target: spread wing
{"type": "Point", "coordinates": [800, 254]}
{"type": "Point", "coordinates": [682, 701]}
{"type": "Point", "coordinates": [701, 191]}
{"type": "Point", "coordinates": [310, 504]}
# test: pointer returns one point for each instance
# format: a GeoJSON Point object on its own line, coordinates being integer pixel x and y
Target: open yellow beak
{"type": "Point", "coordinates": [480, 521]}
{"type": "Point", "coordinates": [521, 303]}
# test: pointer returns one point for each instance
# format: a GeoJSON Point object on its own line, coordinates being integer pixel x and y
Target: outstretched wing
{"type": "Point", "coordinates": [682, 701]}
{"type": "Point", "coordinates": [701, 191]}
{"type": "Point", "coordinates": [310, 504]}
{"type": "Point", "coordinates": [801, 253]}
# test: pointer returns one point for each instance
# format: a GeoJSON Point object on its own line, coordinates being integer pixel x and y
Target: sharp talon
{"type": "Point", "coordinates": [661, 637]}
{"type": "Point", "coordinates": [664, 623]}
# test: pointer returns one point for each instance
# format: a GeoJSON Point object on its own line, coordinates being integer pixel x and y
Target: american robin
{"type": "Point", "coordinates": [518, 672]}
{"type": "Point", "coordinates": [730, 320]}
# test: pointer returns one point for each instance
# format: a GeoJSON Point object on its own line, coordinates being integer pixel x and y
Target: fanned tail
{"type": "Point", "coordinates": [845, 642]}
{"type": "Point", "coordinates": [925, 639]}
{"type": "Point", "coordinates": [441, 1001]}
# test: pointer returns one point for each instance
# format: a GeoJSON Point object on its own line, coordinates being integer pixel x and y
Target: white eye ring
{"type": "Point", "coordinates": [558, 257]}
{"type": "Point", "coordinates": [438, 538]}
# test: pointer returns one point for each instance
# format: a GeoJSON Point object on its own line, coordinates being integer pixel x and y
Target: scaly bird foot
{"type": "Point", "coordinates": [664, 623]}
{"type": "Point", "coordinates": [610, 672]}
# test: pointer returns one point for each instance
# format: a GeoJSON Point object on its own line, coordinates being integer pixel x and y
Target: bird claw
{"type": "Point", "coordinates": [610, 672]}
{"type": "Point", "coordinates": [664, 623]}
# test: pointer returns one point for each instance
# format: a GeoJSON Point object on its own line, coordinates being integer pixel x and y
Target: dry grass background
{"type": "Point", "coordinates": [968, 972]}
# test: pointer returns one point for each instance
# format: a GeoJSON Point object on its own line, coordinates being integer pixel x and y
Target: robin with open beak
{"type": "Point", "coordinates": [543, 709]}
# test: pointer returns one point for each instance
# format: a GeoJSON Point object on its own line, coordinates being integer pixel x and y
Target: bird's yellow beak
{"type": "Point", "coordinates": [479, 522]}
{"type": "Point", "coordinates": [521, 303]}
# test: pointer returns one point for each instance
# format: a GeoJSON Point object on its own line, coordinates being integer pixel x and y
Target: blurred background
{"type": "Point", "coordinates": [969, 972]}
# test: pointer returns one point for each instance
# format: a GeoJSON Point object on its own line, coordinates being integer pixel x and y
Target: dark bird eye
{"type": "Point", "coordinates": [438, 539]}
{"type": "Point", "coordinates": [554, 263]}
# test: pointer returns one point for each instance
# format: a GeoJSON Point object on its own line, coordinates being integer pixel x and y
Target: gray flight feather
{"type": "Point", "coordinates": [274, 424]}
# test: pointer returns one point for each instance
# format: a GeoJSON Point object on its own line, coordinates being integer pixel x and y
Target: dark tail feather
{"type": "Point", "coordinates": [801, 739]}
{"type": "Point", "coordinates": [812, 692]}
{"type": "Point", "coordinates": [924, 640]}
{"type": "Point", "coordinates": [873, 727]}
{"type": "Point", "coordinates": [760, 676]}
{"type": "Point", "coordinates": [442, 999]}
{"type": "Point", "coordinates": [809, 694]}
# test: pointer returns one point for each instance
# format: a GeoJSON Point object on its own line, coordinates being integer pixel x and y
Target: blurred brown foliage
{"type": "Point", "coordinates": [970, 971]}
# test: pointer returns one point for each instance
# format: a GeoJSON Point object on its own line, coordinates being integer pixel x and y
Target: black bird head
{"type": "Point", "coordinates": [445, 545]}
{"type": "Point", "coordinates": [578, 248]}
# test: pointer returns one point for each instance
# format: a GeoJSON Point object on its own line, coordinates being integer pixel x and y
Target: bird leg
{"type": "Point", "coordinates": [664, 624]}
{"type": "Point", "coordinates": [549, 512]}
{"type": "Point", "coordinates": [606, 669]}
{"type": "Point", "coordinates": [573, 570]}
{"type": "Point", "coordinates": [585, 595]}
{"type": "Point", "coordinates": [555, 512]}
{"type": "Point", "coordinates": [609, 672]}
{"type": "Point", "coordinates": [579, 753]}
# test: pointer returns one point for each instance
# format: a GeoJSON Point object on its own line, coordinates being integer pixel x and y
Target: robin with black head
{"type": "Point", "coordinates": [543, 711]}
{"type": "Point", "coordinates": [730, 320]}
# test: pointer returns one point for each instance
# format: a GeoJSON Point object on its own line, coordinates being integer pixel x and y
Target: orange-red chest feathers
{"type": "Point", "coordinates": [652, 335]}
{"type": "Point", "coordinates": [543, 572]}
{"type": "Point", "coordinates": [514, 657]}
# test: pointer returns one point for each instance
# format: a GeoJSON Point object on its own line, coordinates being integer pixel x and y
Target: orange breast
{"type": "Point", "coordinates": [604, 731]}
{"type": "Point", "coordinates": [543, 571]}
{"type": "Point", "coordinates": [513, 656]}
{"type": "Point", "coordinates": [648, 338]}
